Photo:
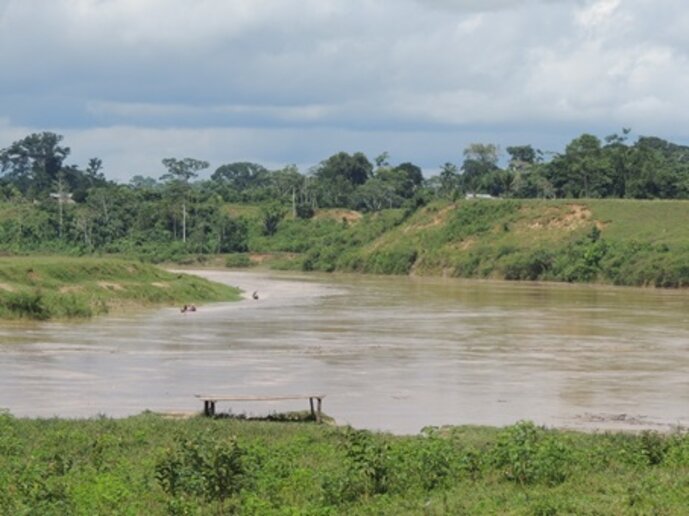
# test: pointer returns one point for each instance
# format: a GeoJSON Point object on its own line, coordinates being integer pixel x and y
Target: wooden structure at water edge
{"type": "Point", "coordinates": [209, 402]}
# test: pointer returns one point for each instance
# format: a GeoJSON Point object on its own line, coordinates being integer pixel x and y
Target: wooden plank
{"type": "Point", "coordinates": [257, 398]}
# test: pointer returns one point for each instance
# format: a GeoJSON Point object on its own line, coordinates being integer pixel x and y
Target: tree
{"type": "Point", "coordinates": [522, 157]}
{"type": "Point", "coordinates": [62, 196]}
{"type": "Point", "coordinates": [33, 163]}
{"type": "Point", "coordinates": [140, 182]}
{"type": "Point", "coordinates": [382, 160]}
{"type": "Point", "coordinates": [484, 153]}
{"type": "Point", "coordinates": [618, 156]}
{"type": "Point", "coordinates": [339, 175]}
{"type": "Point", "coordinates": [582, 171]}
{"type": "Point", "coordinates": [287, 184]}
{"type": "Point", "coordinates": [480, 159]}
{"type": "Point", "coordinates": [93, 171]}
{"type": "Point", "coordinates": [376, 194]}
{"type": "Point", "coordinates": [449, 181]}
{"type": "Point", "coordinates": [272, 215]}
{"type": "Point", "coordinates": [413, 172]}
{"type": "Point", "coordinates": [178, 176]}
{"type": "Point", "coordinates": [355, 169]}
{"type": "Point", "coordinates": [241, 175]}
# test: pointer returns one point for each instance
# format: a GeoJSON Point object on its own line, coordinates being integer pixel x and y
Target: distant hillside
{"type": "Point", "coordinates": [623, 242]}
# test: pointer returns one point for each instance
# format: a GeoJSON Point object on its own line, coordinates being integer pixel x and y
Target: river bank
{"type": "Point", "coordinates": [606, 241]}
{"type": "Point", "coordinates": [42, 288]}
{"type": "Point", "coordinates": [150, 464]}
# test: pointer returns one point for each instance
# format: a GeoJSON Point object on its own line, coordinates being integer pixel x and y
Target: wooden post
{"type": "Point", "coordinates": [206, 408]}
{"type": "Point", "coordinates": [212, 408]}
{"type": "Point", "coordinates": [318, 412]}
{"type": "Point", "coordinates": [313, 412]}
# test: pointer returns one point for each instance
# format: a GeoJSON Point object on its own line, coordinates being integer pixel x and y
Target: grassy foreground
{"type": "Point", "coordinates": [65, 287]}
{"type": "Point", "coordinates": [621, 242]}
{"type": "Point", "coordinates": [148, 464]}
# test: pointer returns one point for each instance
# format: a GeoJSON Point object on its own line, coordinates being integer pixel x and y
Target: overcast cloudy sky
{"type": "Point", "coordinates": [293, 81]}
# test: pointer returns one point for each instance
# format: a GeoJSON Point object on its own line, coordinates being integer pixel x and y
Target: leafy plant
{"type": "Point", "coordinates": [203, 467]}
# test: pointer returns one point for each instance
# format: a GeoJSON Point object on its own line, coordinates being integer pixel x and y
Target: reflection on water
{"type": "Point", "coordinates": [390, 353]}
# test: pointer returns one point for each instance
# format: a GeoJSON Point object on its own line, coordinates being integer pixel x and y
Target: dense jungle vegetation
{"type": "Point", "coordinates": [606, 210]}
{"type": "Point", "coordinates": [152, 465]}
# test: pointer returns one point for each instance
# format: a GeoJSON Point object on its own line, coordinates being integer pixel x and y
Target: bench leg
{"type": "Point", "coordinates": [313, 411]}
{"type": "Point", "coordinates": [318, 412]}
{"type": "Point", "coordinates": [208, 408]}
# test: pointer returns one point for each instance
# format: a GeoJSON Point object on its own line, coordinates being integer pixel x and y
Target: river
{"type": "Point", "coordinates": [389, 353]}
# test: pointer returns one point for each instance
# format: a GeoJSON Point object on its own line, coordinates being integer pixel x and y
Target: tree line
{"type": "Point", "coordinates": [48, 200]}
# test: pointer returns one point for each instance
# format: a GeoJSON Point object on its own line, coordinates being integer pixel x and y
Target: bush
{"type": "Point", "coordinates": [528, 454]}
{"type": "Point", "coordinates": [238, 260]}
{"type": "Point", "coordinates": [366, 462]}
{"type": "Point", "coordinates": [27, 304]}
{"type": "Point", "coordinates": [207, 468]}
{"type": "Point", "coordinates": [531, 267]}
{"type": "Point", "coordinates": [394, 261]}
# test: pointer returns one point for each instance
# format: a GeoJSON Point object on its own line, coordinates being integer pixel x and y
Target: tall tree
{"type": "Point", "coordinates": [339, 175]}
{"type": "Point", "coordinates": [522, 157]}
{"type": "Point", "coordinates": [33, 162]}
{"type": "Point", "coordinates": [449, 180]}
{"type": "Point", "coordinates": [480, 159]}
{"type": "Point", "coordinates": [62, 196]}
{"type": "Point", "coordinates": [180, 172]}
{"type": "Point", "coordinates": [241, 175]}
{"type": "Point", "coordinates": [582, 171]}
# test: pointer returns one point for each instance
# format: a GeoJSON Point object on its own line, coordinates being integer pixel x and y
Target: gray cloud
{"type": "Point", "coordinates": [372, 72]}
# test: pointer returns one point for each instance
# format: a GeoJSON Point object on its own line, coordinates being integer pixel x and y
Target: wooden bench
{"type": "Point", "coordinates": [210, 401]}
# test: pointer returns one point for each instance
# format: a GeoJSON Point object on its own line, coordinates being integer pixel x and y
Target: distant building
{"type": "Point", "coordinates": [479, 196]}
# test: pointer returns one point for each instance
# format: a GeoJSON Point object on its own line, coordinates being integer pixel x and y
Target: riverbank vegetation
{"type": "Point", "coordinates": [611, 211]}
{"type": "Point", "coordinates": [67, 287]}
{"type": "Point", "coordinates": [150, 464]}
{"type": "Point", "coordinates": [621, 242]}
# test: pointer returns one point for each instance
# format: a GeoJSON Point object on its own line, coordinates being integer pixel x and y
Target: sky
{"type": "Point", "coordinates": [283, 82]}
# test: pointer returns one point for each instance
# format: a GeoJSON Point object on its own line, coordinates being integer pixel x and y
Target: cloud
{"type": "Point", "coordinates": [482, 5]}
{"type": "Point", "coordinates": [281, 79]}
{"type": "Point", "coordinates": [597, 13]}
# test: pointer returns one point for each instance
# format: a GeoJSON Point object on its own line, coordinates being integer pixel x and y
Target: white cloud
{"type": "Point", "coordinates": [597, 13]}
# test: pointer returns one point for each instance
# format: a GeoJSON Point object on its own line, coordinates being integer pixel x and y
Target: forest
{"type": "Point", "coordinates": [48, 204]}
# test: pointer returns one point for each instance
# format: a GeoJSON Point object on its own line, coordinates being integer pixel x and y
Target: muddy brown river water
{"type": "Point", "coordinates": [390, 353]}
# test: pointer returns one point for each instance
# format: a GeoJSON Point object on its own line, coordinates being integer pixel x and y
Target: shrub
{"type": "Point", "coordinates": [366, 466]}
{"type": "Point", "coordinates": [238, 260]}
{"type": "Point", "coordinates": [533, 266]}
{"type": "Point", "coordinates": [528, 454]}
{"type": "Point", "coordinates": [394, 261]}
{"type": "Point", "coordinates": [27, 304]}
{"type": "Point", "coordinates": [203, 467]}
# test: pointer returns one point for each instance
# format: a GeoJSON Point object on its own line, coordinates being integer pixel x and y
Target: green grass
{"type": "Point", "coordinates": [622, 242]}
{"type": "Point", "coordinates": [149, 464]}
{"type": "Point", "coordinates": [63, 287]}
